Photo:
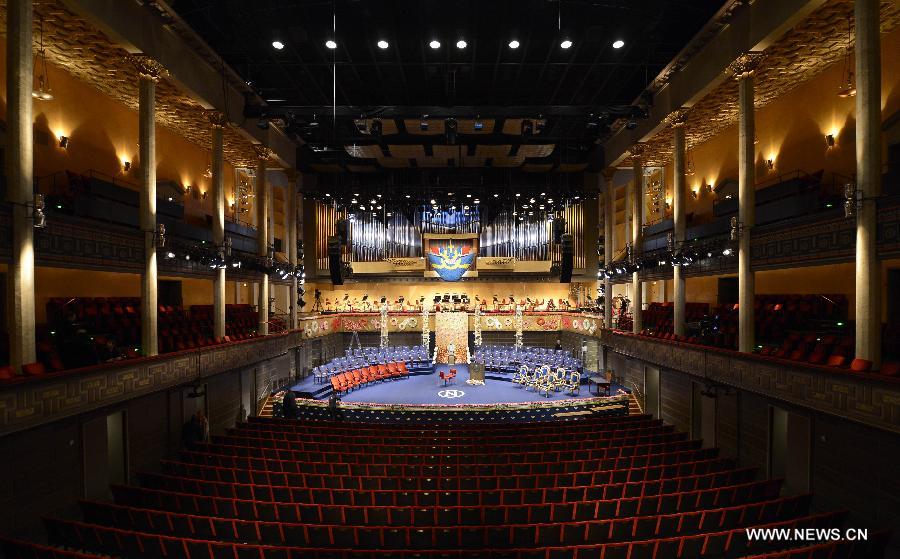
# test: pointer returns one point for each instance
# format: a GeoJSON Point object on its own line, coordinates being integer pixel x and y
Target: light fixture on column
{"type": "Point", "coordinates": [829, 140]}
{"type": "Point", "coordinates": [853, 198]}
{"type": "Point", "coordinates": [64, 142]}
{"type": "Point", "coordinates": [42, 93]}
{"type": "Point", "coordinates": [737, 229]}
{"type": "Point", "coordinates": [126, 166]}
{"type": "Point", "coordinates": [37, 212]}
{"type": "Point", "coordinates": [159, 236]}
{"type": "Point", "coordinates": [770, 163]}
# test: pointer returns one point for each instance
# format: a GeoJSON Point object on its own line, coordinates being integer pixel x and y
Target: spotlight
{"type": "Point", "coordinates": [618, 44]}
{"type": "Point", "coordinates": [728, 252]}
{"type": "Point", "coordinates": [331, 44]}
{"type": "Point", "coordinates": [382, 44]}
{"type": "Point", "coordinates": [423, 125]}
{"type": "Point", "coordinates": [514, 44]}
{"type": "Point", "coordinates": [461, 44]}
{"type": "Point", "coordinates": [434, 44]}
{"type": "Point", "coordinates": [277, 45]}
{"type": "Point", "coordinates": [829, 140]}
{"type": "Point", "coordinates": [37, 213]}
{"type": "Point", "coordinates": [170, 255]}
{"type": "Point", "coordinates": [64, 142]}
{"type": "Point", "coordinates": [479, 124]}
{"type": "Point", "coordinates": [565, 44]}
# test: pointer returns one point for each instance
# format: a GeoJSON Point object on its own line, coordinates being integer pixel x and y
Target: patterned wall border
{"type": "Point", "coordinates": [868, 400]}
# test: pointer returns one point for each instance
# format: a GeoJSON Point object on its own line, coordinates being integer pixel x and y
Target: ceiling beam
{"type": "Point", "coordinates": [140, 29]}
{"type": "Point", "coordinates": [752, 27]}
{"type": "Point", "coordinates": [432, 112]}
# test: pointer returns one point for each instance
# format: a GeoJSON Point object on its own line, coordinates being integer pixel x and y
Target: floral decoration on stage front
{"type": "Point", "coordinates": [451, 262]}
{"type": "Point", "coordinates": [475, 382]}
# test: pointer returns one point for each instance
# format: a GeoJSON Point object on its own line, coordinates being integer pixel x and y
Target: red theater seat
{"type": "Point", "coordinates": [34, 369]}
{"type": "Point", "coordinates": [890, 368]}
{"type": "Point", "coordinates": [860, 365]}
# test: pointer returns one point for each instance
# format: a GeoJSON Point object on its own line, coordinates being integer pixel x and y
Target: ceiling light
{"type": "Point", "coordinates": [514, 44]}
{"type": "Point", "coordinates": [461, 44]}
{"type": "Point", "coordinates": [565, 44]}
{"type": "Point", "coordinates": [619, 43]}
{"type": "Point", "coordinates": [331, 44]}
{"type": "Point", "coordinates": [278, 45]}
{"type": "Point", "coordinates": [382, 44]}
{"type": "Point", "coordinates": [435, 44]}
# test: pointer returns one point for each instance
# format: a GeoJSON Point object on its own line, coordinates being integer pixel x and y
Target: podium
{"type": "Point", "coordinates": [476, 371]}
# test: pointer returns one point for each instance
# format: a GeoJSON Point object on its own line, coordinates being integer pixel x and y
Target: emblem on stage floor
{"type": "Point", "coordinates": [451, 393]}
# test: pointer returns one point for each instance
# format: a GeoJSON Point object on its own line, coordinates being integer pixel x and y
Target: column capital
{"type": "Point", "coordinates": [677, 118]}
{"type": "Point", "coordinates": [147, 67]}
{"type": "Point", "coordinates": [263, 153]}
{"type": "Point", "coordinates": [216, 118]}
{"type": "Point", "coordinates": [744, 65]}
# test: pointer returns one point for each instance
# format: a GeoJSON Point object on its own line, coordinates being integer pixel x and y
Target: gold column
{"type": "Point", "coordinates": [637, 237]}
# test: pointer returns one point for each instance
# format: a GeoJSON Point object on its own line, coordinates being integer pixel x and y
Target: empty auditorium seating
{"type": "Point", "coordinates": [602, 487]}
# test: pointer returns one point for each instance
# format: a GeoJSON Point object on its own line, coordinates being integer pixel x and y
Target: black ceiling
{"type": "Point", "coordinates": [591, 76]}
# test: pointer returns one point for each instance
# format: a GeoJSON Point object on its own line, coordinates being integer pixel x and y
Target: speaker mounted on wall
{"type": "Point", "coordinates": [567, 245]}
{"type": "Point", "coordinates": [335, 266]}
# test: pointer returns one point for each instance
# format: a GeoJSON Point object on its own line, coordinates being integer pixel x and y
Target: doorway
{"type": "Point", "coordinates": [703, 414]}
{"type": "Point", "coordinates": [790, 443]}
{"type": "Point", "coordinates": [728, 291]}
{"type": "Point", "coordinates": [651, 390]}
{"type": "Point", "coordinates": [169, 293]}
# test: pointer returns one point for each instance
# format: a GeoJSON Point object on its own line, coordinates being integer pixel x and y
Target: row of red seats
{"type": "Point", "coordinates": [390, 541]}
{"type": "Point", "coordinates": [516, 450]}
{"type": "Point", "coordinates": [556, 458]}
{"type": "Point", "coordinates": [499, 530]}
{"type": "Point", "coordinates": [660, 317]}
{"type": "Point", "coordinates": [344, 382]}
{"type": "Point", "coordinates": [432, 483]}
{"type": "Point", "coordinates": [581, 427]}
{"type": "Point", "coordinates": [660, 458]}
{"type": "Point", "coordinates": [612, 429]}
{"type": "Point", "coordinates": [304, 495]}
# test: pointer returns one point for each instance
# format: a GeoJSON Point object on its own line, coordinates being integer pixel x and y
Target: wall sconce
{"type": "Point", "coordinates": [695, 194]}
{"type": "Point", "coordinates": [203, 195]}
{"type": "Point", "coordinates": [707, 188]}
{"type": "Point", "coordinates": [668, 203]}
{"type": "Point", "coordinates": [187, 189]}
{"type": "Point", "coordinates": [770, 164]}
{"type": "Point", "coordinates": [126, 166]}
{"type": "Point", "coordinates": [829, 140]}
{"type": "Point", "coordinates": [64, 142]}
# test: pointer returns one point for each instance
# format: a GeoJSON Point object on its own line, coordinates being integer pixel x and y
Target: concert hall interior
{"type": "Point", "coordinates": [435, 279]}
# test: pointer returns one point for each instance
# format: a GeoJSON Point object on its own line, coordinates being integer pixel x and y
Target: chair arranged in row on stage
{"type": "Point", "coordinates": [413, 359]}
{"type": "Point", "coordinates": [345, 382]}
{"type": "Point", "coordinates": [504, 359]}
{"type": "Point", "coordinates": [543, 379]}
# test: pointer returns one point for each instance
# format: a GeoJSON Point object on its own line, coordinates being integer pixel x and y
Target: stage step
{"type": "Point", "coordinates": [634, 407]}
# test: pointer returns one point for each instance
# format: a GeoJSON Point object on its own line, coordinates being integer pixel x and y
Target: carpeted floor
{"type": "Point", "coordinates": [428, 388]}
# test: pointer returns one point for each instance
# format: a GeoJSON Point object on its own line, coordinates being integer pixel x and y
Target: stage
{"type": "Point", "coordinates": [428, 388]}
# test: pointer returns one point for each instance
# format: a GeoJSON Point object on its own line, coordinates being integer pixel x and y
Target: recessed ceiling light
{"type": "Point", "coordinates": [331, 44]}
{"type": "Point", "coordinates": [461, 44]}
{"type": "Point", "coordinates": [565, 44]}
{"type": "Point", "coordinates": [619, 43]}
{"type": "Point", "coordinates": [382, 44]}
{"type": "Point", "coordinates": [278, 45]}
{"type": "Point", "coordinates": [514, 44]}
{"type": "Point", "coordinates": [435, 44]}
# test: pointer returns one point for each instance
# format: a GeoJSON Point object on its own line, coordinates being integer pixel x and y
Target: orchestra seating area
{"type": "Point", "coordinates": [624, 487]}
{"type": "Point", "coordinates": [509, 359]}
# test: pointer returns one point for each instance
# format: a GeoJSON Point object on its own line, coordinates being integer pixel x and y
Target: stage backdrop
{"type": "Point", "coordinates": [451, 327]}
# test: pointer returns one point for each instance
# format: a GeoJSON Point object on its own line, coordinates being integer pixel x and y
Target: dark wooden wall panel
{"type": "Point", "coordinates": [675, 399]}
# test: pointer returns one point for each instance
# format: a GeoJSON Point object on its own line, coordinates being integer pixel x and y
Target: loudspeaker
{"type": "Point", "coordinates": [559, 229]}
{"type": "Point", "coordinates": [335, 266]}
{"type": "Point", "coordinates": [341, 226]}
{"type": "Point", "coordinates": [568, 255]}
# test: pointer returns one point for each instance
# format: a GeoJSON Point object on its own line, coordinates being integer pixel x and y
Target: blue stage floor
{"type": "Point", "coordinates": [428, 388]}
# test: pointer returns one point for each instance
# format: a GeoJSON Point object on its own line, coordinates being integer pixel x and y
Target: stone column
{"type": "Point", "coordinates": [743, 69]}
{"type": "Point", "coordinates": [678, 120]}
{"type": "Point", "coordinates": [291, 229]}
{"type": "Point", "coordinates": [20, 189]}
{"type": "Point", "coordinates": [150, 72]}
{"type": "Point", "coordinates": [217, 120]}
{"type": "Point", "coordinates": [868, 177]}
{"type": "Point", "coordinates": [609, 223]}
{"type": "Point", "coordinates": [262, 235]}
{"type": "Point", "coordinates": [637, 237]}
